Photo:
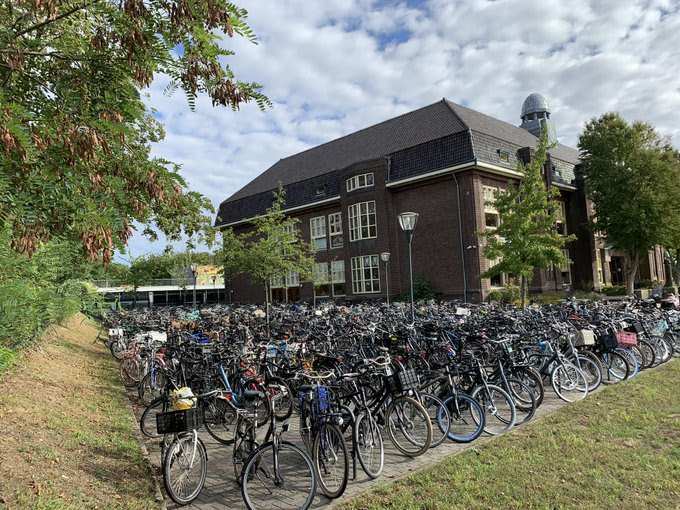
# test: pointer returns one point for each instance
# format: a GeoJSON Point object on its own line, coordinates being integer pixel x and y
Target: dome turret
{"type": "Point", "coordinates": [536, 114]}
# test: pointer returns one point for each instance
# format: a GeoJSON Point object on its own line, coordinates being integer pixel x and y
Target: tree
{"type": "Point", "coordinates": [75, 133]}
{"type": "Point", "coordinates": [231, 257]}
{"type": "Point", "coordinates": [633, 179]}
{"type": "Point", "coordinates": [274, 248]}
{"type": "Point", "coordinates": [526, 238]}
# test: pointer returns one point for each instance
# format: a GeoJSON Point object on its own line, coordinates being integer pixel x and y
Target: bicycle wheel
{"type": "Point", "coordinates": [591, 370]}
{"type": "Point", "coordinates": [152, 386]}
{"type": "Point", "coordinates": [439, 417]}
{"type": "Point", "coordinates": [244, 444]}
{"type": "Point", "coordinates": [277, 388]}
{"type": "Point", "coordinates": [147, 422]}
{"type": "Point", "coordinates": [499, 408]}
{"type": "Point", "coordinates": [647, 353]}
{"type": "Point", "coordinates": [185, 468]}
{"type": "Point", "coordinates": [290, 485]}
{"type": "Point", "coordinates": [524, 400]}
{"type": "Point", "coordinates": [331, 460]}
{"type": "Point", "coordinates": [408, 426]}
{"type": "Point", "coordinates": [617, 367]}
{"type": "Point", "coordinates": [533, 379]}
{"type": "Point", "coordinates": [306, 425]}
{"type": "Point", "coordinates": [632, 361]}
{"type": "Point", "coordinates": [369, 445]}
{"type": "Point", "coordinates": [568, 382]}
{"type": "Point", "coordinates": [467, 418]}
{"type": "Point", "coordinates": [117, 347]}
{"type": "Point", "coordinates": [220, 420]}
{"type": "Point", "coordinates": [130, 372]}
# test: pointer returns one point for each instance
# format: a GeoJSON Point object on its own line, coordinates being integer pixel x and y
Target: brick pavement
{"type": "Point", "coordinates": [221, 491]}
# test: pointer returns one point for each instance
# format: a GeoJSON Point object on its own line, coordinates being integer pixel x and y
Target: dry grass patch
{"type": "Point", "coordinates": [67, 436]}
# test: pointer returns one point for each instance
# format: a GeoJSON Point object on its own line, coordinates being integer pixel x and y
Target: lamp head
{"type": "Point", "coordinates": [385, 256]}
{"type": "Point", "coordinates": [407, 221]}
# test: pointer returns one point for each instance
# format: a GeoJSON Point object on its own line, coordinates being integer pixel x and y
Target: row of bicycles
{"type": "Point", "coordinates": [305, 400]}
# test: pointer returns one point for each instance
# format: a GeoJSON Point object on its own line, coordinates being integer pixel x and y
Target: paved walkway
{"type": "Point", "coordinates": [221, 490]}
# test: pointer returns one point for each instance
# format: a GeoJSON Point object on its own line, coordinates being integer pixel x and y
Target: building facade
{"type": "Point", "coordinates": [443, 161]}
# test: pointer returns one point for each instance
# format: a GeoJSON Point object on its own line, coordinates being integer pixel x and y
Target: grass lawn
{"type": "Point", "coordinates": [68, 440]}
{"type": "Point", "coordinates": [619, 449]}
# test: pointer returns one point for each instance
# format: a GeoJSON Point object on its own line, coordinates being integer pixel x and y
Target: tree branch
{"type": "Point", "coordinates": [57, 18]}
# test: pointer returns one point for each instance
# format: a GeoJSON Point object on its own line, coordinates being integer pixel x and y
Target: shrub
{"type": "Point", "coordinates": [548, 298]}
{"type": "Point", "coordinates": [584, 294]}
{"type": "Point", "coordinates": [614, 290]}
{"type": "Point", "coordinates": [510, 294]}
{"type": "Point", "coordinates": [422, 290]}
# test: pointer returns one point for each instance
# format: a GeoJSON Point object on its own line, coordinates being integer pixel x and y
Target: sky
{"type": "Point", "coordinates": [331, 67]}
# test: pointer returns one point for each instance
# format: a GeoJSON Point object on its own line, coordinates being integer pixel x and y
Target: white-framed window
{"type": "Point", "coordinates": [277, 282]}
{"type": "Point", "coordinates": [338, 277]}
{"type": "Point", "coordinates": [489, 198]}
{"type": "Point", "coordinates": [360, 181]}
{"type": "Point", "coordinates": [335, 229]}
{"type": "Point", "coordinates": [566, 270]}
{"type": "Point", "coordinates": [491, 220]}
{"type": "Point", "coordinates": [317, 227]}
{"type": "Point", "coordinates": [362, 221]}
{"type": "Point", "coordinates": [561, 221]}
{"type": "Point", "coordinates": [293, 279]}
{"type": "Point", "coordinates": [322, 286]}
{"type": "Point", "coordinates": [365, 274]}
{"type": "Point", "coordinates": [600, 271]}
{"type": "Point", "coordinates": [500, 280]}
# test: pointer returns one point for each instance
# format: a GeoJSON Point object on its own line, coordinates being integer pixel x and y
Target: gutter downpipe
{"type": "Point", "coordinates": [460, 232]}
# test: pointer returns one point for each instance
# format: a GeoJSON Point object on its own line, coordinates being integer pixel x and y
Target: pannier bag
{"type": "Point", "coordinates": [626, 339]}
{"type": "Point", "coordinates": [584, 337]}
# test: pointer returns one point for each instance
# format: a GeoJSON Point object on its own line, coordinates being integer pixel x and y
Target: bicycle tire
{"type": "Point", "coordinates": [467, 418]}
{"type": "Point", "coordinates": [439, 418]}
{"type": "Point", "coordinates": [568, 378]}
{"type": "Point", "coordinates": [331, 460]}
{"type": "Point", "coordinates": [524, 400]}
{"type": "Point", "coordinates": [617, 367]}
{"type": "Point", "coordinates": [533, 379]}
{"type": "Point", "coordinates": [407, 419]}
{"type": "Point", "coordinates": [368, 438]}
{"type": "Point", "coordinates": [592, 371]}
{"type": "Point", "coordinates": [219, 421]}
{"type": "Point", "coordinates": [284, 403]}
{"type": "Point", "coordinates": [257, 470]}
{"type": "Point", "coordinates": [147, 422]}
{"type": "Point", "coordinates": [180, 455]}
{"type": "Point", "coordinates": [499, 408]}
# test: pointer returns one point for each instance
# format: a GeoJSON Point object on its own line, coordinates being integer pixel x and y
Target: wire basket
{"type": "Point", "coordinates": [404, 381]}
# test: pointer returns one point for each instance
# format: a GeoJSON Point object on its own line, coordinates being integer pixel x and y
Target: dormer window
{"type": "Point", "coordinates": [360, 181]}
{"type": "Point", "coordinates": [321, 190]}
{"type": "Point", "coordinates": [503, 154]}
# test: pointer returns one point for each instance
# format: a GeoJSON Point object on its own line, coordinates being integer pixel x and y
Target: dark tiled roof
{"type": "Point", "coordinates": [413, 128]}
{"type": "Point", "coordinates": [437, 136]}
{"type": "Point", "coordinates": [481, 123]}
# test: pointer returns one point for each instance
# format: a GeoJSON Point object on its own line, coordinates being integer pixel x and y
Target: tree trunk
{"type": "Point", "coordinates": [632, 263]}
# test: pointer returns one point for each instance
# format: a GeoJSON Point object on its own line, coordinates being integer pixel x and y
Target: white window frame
{"type": "Point", "coordinates": [317, 233]}
{"type": "Point", "coordinates": [503, 276]}
{"type": "Point", "coordinates": [335, 229]}
{"type": "Point", "coordinates": [360, 181]}
{"type": "Point", "coordinates": [488, 193]}
{"type": "Point", "coordinates": [566, 269]}
{"type": "Point", "coordinates": [322, 278]}
{"type": "Point", "coordinates": [338, 276]}
{"type": "Point", "coordinates": [561, 220]}
{"type": "Point", "coordinates": [360, 220]}
{"type": "Point", "coordinates": [293, 279]}
{"type": "Point", "coordinates": [361, 267]}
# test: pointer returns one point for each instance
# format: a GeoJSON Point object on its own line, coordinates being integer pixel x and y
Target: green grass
{"type": "Point", "coordinates": [618, 449]}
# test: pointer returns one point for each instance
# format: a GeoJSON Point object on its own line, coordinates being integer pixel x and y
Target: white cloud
{"type": "Point", "coordinates": [332, 67]}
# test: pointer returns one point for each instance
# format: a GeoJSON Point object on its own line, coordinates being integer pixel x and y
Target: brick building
{"type": "Point", "coordinates": [440, 161]}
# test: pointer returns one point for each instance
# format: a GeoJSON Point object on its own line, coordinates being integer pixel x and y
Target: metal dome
{"type": "Point", "coordinates": [535, 103]}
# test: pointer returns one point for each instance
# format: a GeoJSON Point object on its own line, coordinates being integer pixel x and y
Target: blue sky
{"type": "Point", "coordinates": [332, 67]}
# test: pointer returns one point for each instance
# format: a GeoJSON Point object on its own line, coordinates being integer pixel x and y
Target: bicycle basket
{"type": "Point", "coordinates": [584, 337]}
{"type": "Point", "coordinates": [179, 421]}
{"type": "Point", "coordinates": [609, 340]}
{"type": "Point", "coordinates": [658, 328]}
{"type": "Point", "coordinates": [405, 380]}
{"type": "Point", "coordinates": [626, 339]}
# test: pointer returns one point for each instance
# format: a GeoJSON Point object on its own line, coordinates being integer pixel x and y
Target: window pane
{"type": "Point", "coordinates": [369, 179]}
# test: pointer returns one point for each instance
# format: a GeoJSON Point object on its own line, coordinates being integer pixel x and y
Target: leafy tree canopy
{"type": "Point", "coordinates": [633, 179]}
{"type": "Point", "coordinates": [526, 237]}
{"type": "Point", "coordinates": [75, 133]}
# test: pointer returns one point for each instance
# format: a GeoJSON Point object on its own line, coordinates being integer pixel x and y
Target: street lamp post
{"type": "Point", "coordinates": [385, 257]}
{"type": "Point", "coordinates": [407, 222]}
{"type": "Point", "coordinates": [194, 270]}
